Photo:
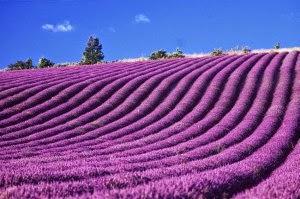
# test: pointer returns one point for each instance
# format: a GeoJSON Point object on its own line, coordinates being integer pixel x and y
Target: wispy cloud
{"type": "Point", "coordinates": [60, 27]}
{"type": "Point", "coordinates": [111, 29]}
{"type": "Point", "coordinates": [141, 18]}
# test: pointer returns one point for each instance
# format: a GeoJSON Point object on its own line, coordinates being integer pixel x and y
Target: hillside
{"type": "Point", "coordinates": [225, 126]}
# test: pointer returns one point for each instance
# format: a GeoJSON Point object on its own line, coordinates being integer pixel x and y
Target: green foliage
{"type": "Point", "coordinates": [217, 52]}
{"type": "Point", "coordinates": [246, 50]}
{"type": "Point", "coordinates": [277, 45]}
{"type": "Point", "coordinates": [19, 65]}
{"type": "Point", "coordinates": [160, 54]}
{"type": "Point", "coordinates": [44, 63]}
{"type": "Point", "coordinates": [93, 51]}
{"type": "Point", "coordinates": [177, 54]}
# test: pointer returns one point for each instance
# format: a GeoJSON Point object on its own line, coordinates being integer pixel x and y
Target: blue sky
{"type": "Point", "coordinates": [59, 29]}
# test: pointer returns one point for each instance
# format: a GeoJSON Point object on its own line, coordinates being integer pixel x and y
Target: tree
{"type": "Point", "coordinates": [93, 51]}
{"type": "Point", "coordinates": [177, 54]}
{"type": "Point", "coordinates": [246, 50]}
{"type": "Point", "coordinates": [217, 52]}
{"type": "Point", "coordinates": [44, 63]}
{"type": "Point", "coordinates": [277, 45]}
{"type": "Point", "coordinates": [19, 65]}
{"type": "Point", "coordinates": [160, 54]}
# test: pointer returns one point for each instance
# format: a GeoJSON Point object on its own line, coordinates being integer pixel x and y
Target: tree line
{"type": "Point", "coordinates": [91, 55]}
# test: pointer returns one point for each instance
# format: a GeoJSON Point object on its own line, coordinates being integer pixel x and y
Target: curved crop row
{"type": "Point", "coordinates": [212, 127]}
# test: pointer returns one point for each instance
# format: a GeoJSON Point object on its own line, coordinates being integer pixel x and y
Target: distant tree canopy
{"type": "Point", "coordinates": [246, 50]}
{"type": "Point", "coordinates": [93, 51]}
{"type": "Point", "coordinates": [44, 63]}
{"type": "Point", "coordinates": [177, 54]}
{"type": "Point", "coordinates": [217, 52]}
{"type": "Point", "coordinates": [19, 65]}
{"type": "Point", "coordinates": [238, 48]}
{"type": "Point", "coordinates": [162, 54]}
{"type": "Point", "coordinates": [277, 45]}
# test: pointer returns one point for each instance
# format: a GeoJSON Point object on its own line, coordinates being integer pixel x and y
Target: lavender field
{"type": "Point", "coordinates": [211, 127]}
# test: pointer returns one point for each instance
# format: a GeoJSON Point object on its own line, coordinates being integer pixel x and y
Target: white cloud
{"type": "Point", "coordinates": [61, 27]}
{"type": "Point", "coordinates": [141, 18]}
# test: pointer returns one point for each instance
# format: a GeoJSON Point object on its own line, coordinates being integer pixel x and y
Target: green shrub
{"type": "Point", "coordinates": [238, 49]}
{"type": "Point", "coordinates": [44, 63]}
{"type": "Point", "coordinates": [160, 54]}
{"type": "Point", "coordinates": [177, 54]}
{"type": "Point", "coordinates": [19, 65]}
{"type": "Point", "coordinates": [246, 50]}
{"type": "Point", "coordinates": [277, 45]}
{"type": "Point", "coordinates": [217, 52]}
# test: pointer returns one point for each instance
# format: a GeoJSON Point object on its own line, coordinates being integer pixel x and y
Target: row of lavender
{"type": "Point", "coordinates": [208, 127]}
